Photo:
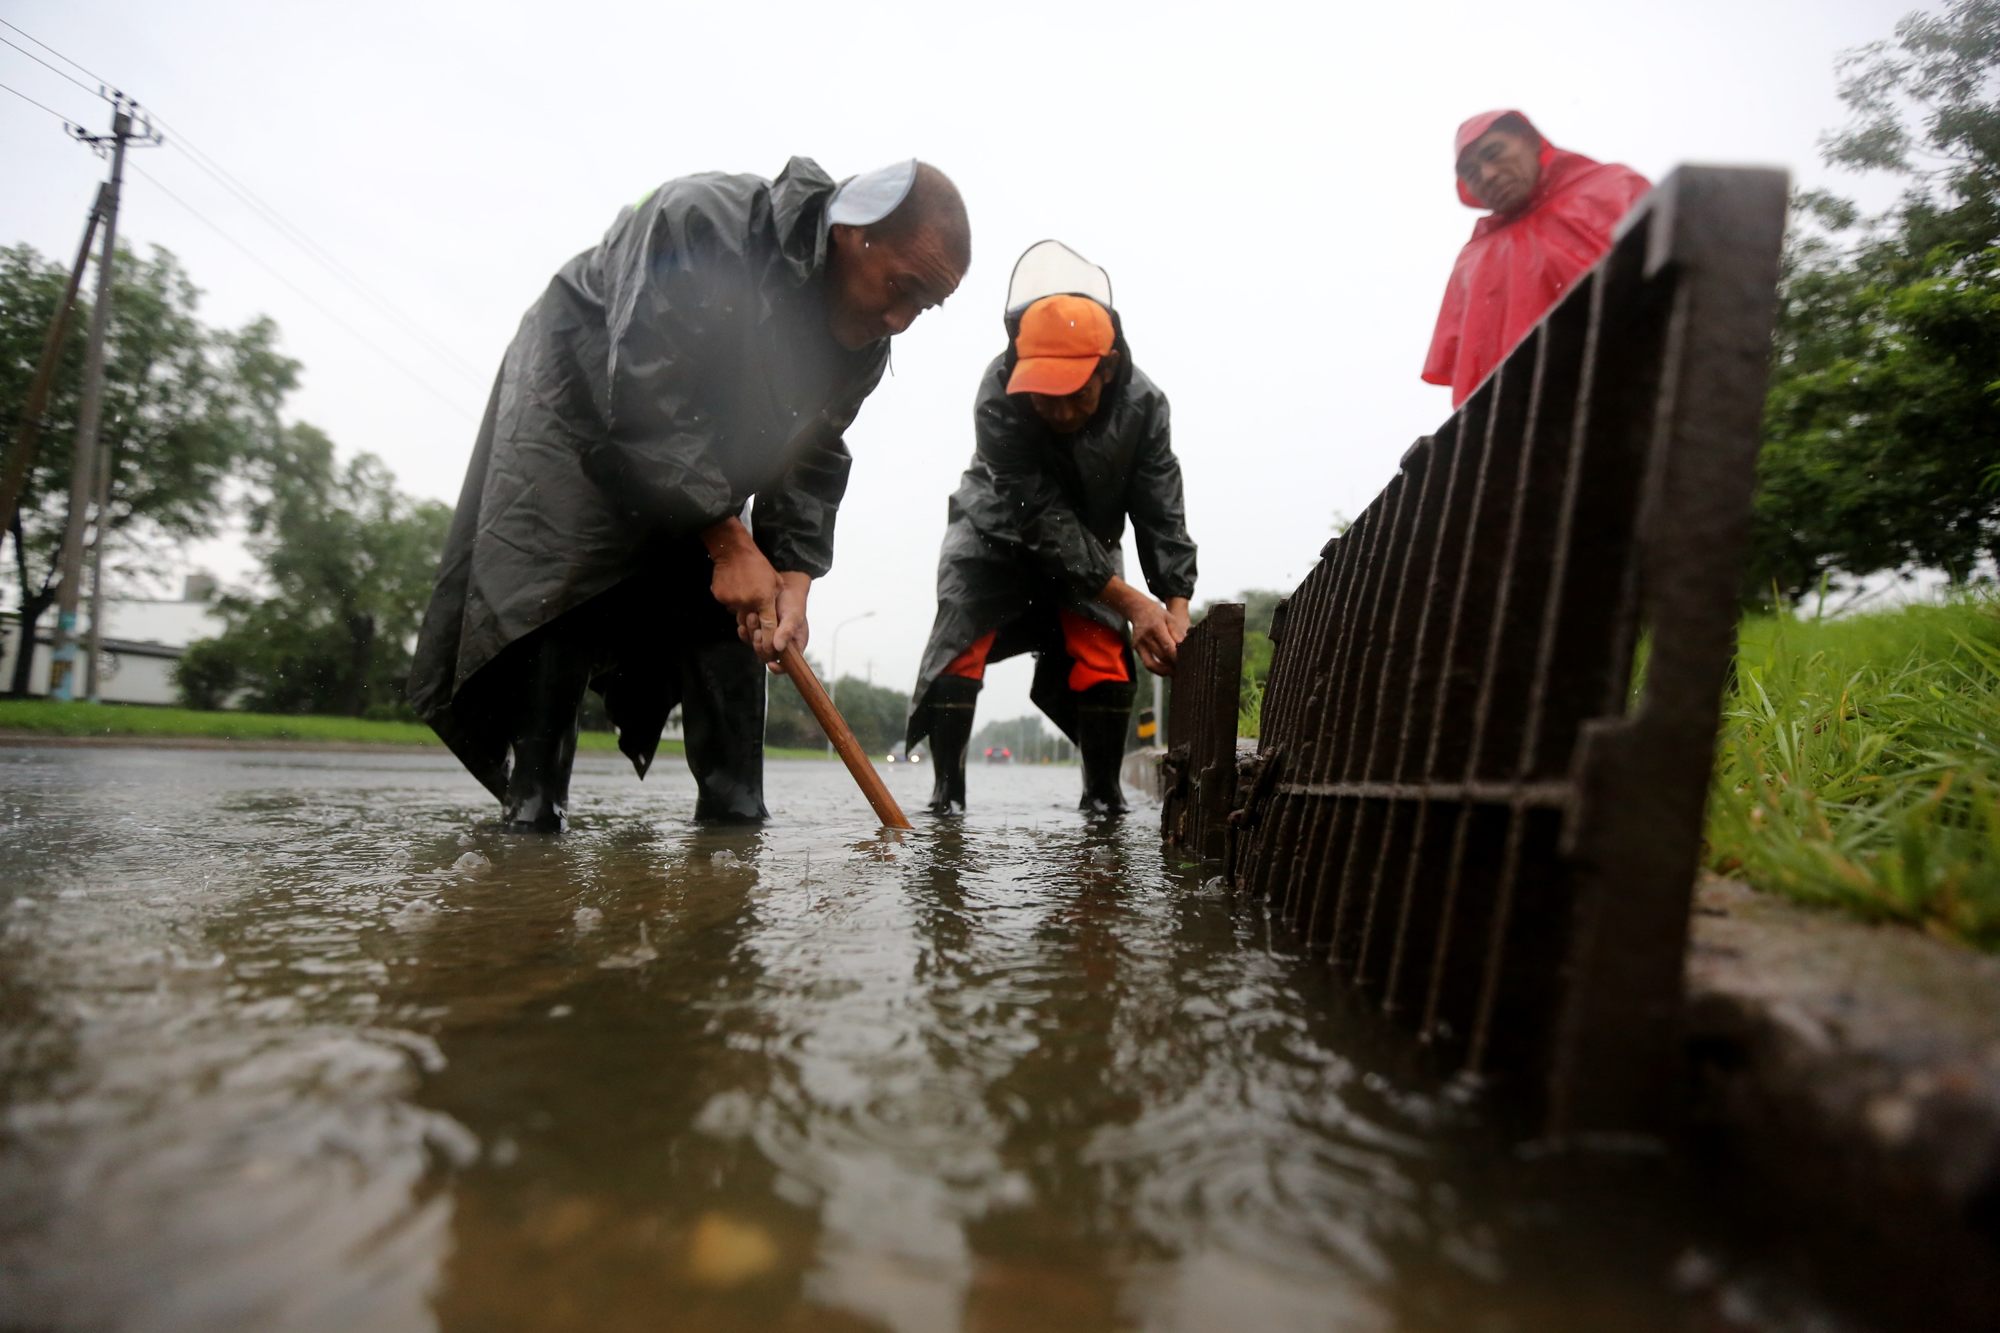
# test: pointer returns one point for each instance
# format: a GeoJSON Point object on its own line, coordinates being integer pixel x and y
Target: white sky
{"type": "Point", "coordinates": [1269, 186]}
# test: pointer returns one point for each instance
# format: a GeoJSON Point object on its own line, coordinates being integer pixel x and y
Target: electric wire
{"type": "Point", "coordinates": [59, 73]}
{"type": "Point", "coordinates": [43, 105]}
{"type": "Point", "coordinates": [304, 295]}
{"type": "Point", "coordinates": [318, 253]}
{"type": "Point", "coordinates": [57, 54]}
{"type": "Point", "coordinates": [267, 213]}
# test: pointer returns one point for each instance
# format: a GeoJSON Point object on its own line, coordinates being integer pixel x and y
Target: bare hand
{"type": "Point", "coordinates": [745, 584]}
{"type": "Point", "coordinates": [1157, 629]}
{"type": "Point", "coordinates": [1153, 635]}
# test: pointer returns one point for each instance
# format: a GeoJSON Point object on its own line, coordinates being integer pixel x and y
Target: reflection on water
{"type": "Point", "coordinates": [298, 1041]}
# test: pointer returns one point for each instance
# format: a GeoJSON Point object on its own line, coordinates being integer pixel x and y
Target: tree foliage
{"type": "Point", "coordinates": [184, 405]}
{"type": "Point", "coordinates": [1879, 446]}
{"type": "Point", "coordinates": [1030, 738]}
{"type": "Point", "coordinates": [876, 713]}
{"type": "Point", "coordinates": [347, 562]}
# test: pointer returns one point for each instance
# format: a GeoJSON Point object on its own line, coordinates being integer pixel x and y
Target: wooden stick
{"type": "Point", "coordinates": [842, 736]}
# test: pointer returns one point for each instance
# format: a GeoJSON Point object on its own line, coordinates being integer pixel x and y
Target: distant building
{"type": "Point", "coordinates": [143, 638]}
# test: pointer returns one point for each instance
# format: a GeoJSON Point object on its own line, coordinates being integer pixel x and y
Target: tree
{"type": "Point", "coordinates": [348, 561]}
{"type": "Point", "coordinates": [1029, 738]}
{"type": "Point", "coordinates": [1885, 392]}
{"type": "Point", "coordinates": [183, 406]}
{"type": "Point", "coordinates": [875, 713]}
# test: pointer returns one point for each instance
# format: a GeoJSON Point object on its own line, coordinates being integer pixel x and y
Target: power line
{"type": "Point", "coordinates": [296, 235]}
{"type": "Point", "coordinates": [59, 73]}
{"type": "Point", "coordinates": [52, 51]}
{"type": "Point", "coordinates": [67, 120]}
{"type": "Point", "coordinates": [320, 255]}
{"type": "Point", "coordinates": [306, 296]}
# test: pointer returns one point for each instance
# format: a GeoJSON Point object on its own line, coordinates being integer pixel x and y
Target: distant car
{"type": "Point", "coordinates": [1001, 755]}
{"type": "Point", "coordinates": [896, 756]}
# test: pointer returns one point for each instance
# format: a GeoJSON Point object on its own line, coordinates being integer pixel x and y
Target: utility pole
{"type": "Point", "coordinates": [62, 662]}
{"type": "Point", "coordinates": [93, 644]}
{"type": "Point", "coordinates": [20, 458]}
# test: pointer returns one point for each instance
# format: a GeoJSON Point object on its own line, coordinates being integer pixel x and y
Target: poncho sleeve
{"type": "Point", "coordinates": [795, 515]}
{"type": "Point", "coordinates": [673, 292]}
{"type": "Point", "coordinates": [1159, 512]}
{"type": "Point", "coordinates": [1051, 532]}
{"type": "Point", "coordinates": [794, 518]}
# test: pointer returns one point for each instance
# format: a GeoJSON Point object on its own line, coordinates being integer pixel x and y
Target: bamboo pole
{"type": "Point", "coordinates": [842, 736]}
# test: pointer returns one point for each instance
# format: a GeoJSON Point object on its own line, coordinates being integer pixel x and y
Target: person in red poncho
{"type": "Point", "coordinates": [1553, 215]}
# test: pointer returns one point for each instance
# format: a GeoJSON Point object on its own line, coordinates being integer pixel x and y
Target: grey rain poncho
{"type": "Point", "coordinates": [1038, 521]}
{"type": "Point", "coordinates": [677, 371]}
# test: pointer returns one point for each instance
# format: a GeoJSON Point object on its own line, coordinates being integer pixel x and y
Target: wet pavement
{"type": "Point", "coordinates": [297, 1041]}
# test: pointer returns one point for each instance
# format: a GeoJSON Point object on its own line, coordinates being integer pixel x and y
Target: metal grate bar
{"type": "Point", "coordinates": [1202, 708]}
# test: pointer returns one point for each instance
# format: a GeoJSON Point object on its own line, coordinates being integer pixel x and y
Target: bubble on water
{"type": "Point", "coordinates": [588, 919]}
{"type": "Point", "coordinates": [451, 1140]}
{"type": "Point", "coordinates": [204, 963]}
{"type": "Point", "coordinates": [504, 1152]}
{"type": "Point", "coordinates": [723, 859]}
{"type": "Point", "coordinates": [470, 863]}
{"type": "Point", "coordinates": [637, 956]}
{"type": "Point", "coordinates": [414, 915]}
{"type": "Point", "coordinates": [560, 1010]}
{"type": "Point", "coordinates": [727, 1115]}
{"type": "Point", "coordinates": [1010, 1189]}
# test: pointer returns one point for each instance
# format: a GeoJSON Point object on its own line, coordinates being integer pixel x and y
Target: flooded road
{"type": "Point", "coordinates": [299, 1041]}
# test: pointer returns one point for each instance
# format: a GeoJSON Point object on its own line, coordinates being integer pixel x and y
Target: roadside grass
{"type": "Point", "coordinates": [46, 718]}
{"type": "Point", "coordinates": [1859, 765]}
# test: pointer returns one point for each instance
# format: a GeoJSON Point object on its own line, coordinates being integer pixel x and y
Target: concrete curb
{"type": "Point", "coordinates": [1853, 1071]}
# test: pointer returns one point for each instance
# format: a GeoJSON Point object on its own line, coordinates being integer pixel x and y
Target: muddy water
{"type": "Point", "coordinates": [301, 1042]}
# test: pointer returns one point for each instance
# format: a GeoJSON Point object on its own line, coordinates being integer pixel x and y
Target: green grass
{"type": "Point", "coordinates": [45, 718]}
{"type": "Point", "coordinates": [1859, 766]}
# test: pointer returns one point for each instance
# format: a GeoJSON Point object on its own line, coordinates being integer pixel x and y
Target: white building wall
{"type": "Point", "coordinates": [144, 640]}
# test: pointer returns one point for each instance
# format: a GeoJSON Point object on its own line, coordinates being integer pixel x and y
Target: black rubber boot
{"type": "Point", "coordinates": [722, 717]}
{"type": "Point", "coordinates": [1103, 717]}
{"type": "Point", "coordinates": [952, 699]}
{"type": "Point", "coordinates": [543, 748]}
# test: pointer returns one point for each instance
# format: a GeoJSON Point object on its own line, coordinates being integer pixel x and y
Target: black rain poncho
{"type": "Point", "coordinates": [1037, 525]}
{"type": "Point", "coordinates": [674, 373]}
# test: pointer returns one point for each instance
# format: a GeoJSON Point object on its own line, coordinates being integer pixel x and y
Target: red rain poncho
{"type": "Point", "coordinates": [1516, 267]}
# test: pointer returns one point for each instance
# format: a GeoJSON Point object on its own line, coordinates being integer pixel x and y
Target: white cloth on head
{"type": "Point", "coordinates": [1050, 268]}
{"type": "Point", "coordinates": [864, 200]}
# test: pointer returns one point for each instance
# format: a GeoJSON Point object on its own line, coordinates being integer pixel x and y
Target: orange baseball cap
{"type": "Point", "coordinates": [1062, 338]}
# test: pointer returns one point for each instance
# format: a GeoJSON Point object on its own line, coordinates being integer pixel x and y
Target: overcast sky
{"type": "Point", "coordinates": [1269, 185]}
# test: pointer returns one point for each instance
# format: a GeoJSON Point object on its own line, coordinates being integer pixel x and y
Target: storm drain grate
{"type": "Point", "coordinates": [1460, 798]}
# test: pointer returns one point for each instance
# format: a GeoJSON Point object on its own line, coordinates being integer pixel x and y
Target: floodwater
{"type": "Point", "coordinates": [295, 1041]}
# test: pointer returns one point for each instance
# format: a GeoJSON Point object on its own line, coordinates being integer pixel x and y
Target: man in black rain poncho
{"type": "Point", "coordinates": [700, 363]}
{"type": "Point", "coordinates": [1071, 438]}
